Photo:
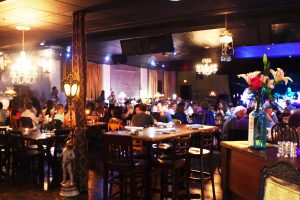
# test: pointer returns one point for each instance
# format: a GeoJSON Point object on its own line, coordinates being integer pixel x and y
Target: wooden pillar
{"type": "Point", "coordinates": [79, 63]}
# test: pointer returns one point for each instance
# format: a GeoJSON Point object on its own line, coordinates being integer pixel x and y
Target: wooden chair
{"type": "Point", "coordinates": [199, 118]}
{"type": "Point", "coordinates": [203, 150]}
{"type": "Point", "coordinates": [176, 162]}
{"type": "Point", "coordinates": [4, 152]}
{"type": "Point", "coordinates": [118, 157]}
{"type": "Point", "coordinates": [283, 175]}
{"type": "Point", "coordinates": [26, 122]}
{"type": "Point", "coordinates": [284, 132]}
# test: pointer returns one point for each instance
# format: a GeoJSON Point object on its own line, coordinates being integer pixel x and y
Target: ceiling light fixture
{"type": "Point", "coordinates": [226, 39]}
{"type": "Point", "coordinates": [23, 72]}
{"type": "Point", "coordinates": [206, 67]}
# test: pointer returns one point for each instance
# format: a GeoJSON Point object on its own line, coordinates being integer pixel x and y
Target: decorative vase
{"type": "Point", "coordinates": [257, 129]}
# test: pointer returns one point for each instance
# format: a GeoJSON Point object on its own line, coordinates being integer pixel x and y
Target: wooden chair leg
{"type": "Point", "coordinates": [163, 187]}
{"type": "Point", "coordinates": [202, 178]}
{"type": "Point", "coordinates": [105, 185]}
{"type": "Point", "coordinates": [174, 188]}
{"type": "Point", "coordinates": [212, 178]}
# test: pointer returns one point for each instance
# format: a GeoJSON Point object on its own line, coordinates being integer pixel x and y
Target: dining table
{"type": "Point", "coordinates": [153, 135]}
{"type": "Point", "coordinates": [42, 141]}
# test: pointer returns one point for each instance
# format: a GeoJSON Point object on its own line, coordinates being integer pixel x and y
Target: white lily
{"type": "Point", "coordinates": [271, 84]}
{"type": "Point", "coordinates": [249, 76]}
{"type": "Point", "coordinates": [264, 78]}
{"type": "Point", "coordinates": [279, 76]}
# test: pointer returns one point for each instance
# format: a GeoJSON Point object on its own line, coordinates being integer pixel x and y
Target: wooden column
{"type": "Point", "coordinates": [79, 63]}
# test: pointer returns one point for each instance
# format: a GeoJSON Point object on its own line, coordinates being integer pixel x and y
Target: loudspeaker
{"type": "Point", "coordinates": [119, 59]}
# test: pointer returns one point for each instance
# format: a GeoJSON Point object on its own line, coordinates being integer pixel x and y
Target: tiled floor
{"type": "Point", "coordinates": [29, 191]}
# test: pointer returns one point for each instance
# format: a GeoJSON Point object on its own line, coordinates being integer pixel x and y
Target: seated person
{"type": "Point", "coordinates": [161, 115]}
{"type": "Point", "coordinates": [49, 110]}
{"type": "Point", "coordinates": [60, 115]}
{"type": "Point", "coordinates": [238, 113]}
{"type": "Point", "coordinates": [271, 116]}
{"type": "Point", "coordinates": [294, 120]}
{"type": "Point", "coordinates": [29, 113]}
{"type": "Point", "coordinates": [2, 115]}
{"type": "Point", "coordinates": [206, 115]}
{"type": "Point", "coordinates": [172, 109]}
{"type": "Point", "coordinates": [141, 118]}
{"type": "Point", "coordinates": [180, 115]}
{"type": "Point", "coordinates": [67, 119]}
{"type": "Point", "coordinates": [117, 116]}
{"type": "Point", "coordinates": [243, 124]}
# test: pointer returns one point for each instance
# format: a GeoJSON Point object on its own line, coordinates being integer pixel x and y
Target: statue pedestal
{"type": "Point", "coordinates": [68, 191]}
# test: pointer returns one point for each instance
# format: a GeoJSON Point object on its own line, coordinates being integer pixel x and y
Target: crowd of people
{"type": "Point", "coordinates": [143, 113]}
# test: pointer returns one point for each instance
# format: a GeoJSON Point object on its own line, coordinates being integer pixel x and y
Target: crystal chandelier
{"type": "Point", "coordinates": [227, 44]}
{"type": "Point", "coordinates": [206, 67]}
{"type": "Point", "coordinates": [23, 72]}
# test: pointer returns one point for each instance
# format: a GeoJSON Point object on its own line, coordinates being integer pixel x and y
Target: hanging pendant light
{"type": "Point", "coordinates": [226, 40]}
{"type": "Point", "coordinates": [23, 72]}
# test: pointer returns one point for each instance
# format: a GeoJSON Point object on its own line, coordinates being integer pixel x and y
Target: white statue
{"type": "Point", "coordinates": [68, 157]}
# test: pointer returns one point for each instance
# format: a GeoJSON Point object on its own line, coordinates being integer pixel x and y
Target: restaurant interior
{"type": "Point", "coordinates": [160, 99]}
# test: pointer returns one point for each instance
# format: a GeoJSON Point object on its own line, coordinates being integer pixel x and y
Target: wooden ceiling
{"type": "Point", "coordinates": [252, 22]}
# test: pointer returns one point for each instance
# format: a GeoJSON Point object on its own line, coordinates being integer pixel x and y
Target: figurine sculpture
{"type": "Point", "coordinates": [68, 157]}
{"type": "Point", "coordinates": [68, 189]}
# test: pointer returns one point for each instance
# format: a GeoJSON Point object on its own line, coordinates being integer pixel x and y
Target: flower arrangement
{"type": "Point", "coordinates": [261, 84]}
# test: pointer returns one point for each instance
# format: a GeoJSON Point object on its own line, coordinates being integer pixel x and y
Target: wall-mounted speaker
{"type": "Point", "coordinates": [119, 59]}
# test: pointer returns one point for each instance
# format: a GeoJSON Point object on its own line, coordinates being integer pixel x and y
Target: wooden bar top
{"type": "Point", "coordinates": [154, 134]}
{"type": "Point", "coordinates": [269, 155]}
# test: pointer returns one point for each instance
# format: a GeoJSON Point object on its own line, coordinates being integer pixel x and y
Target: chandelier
{"type": "Point", "coordinates": [227, 44]}
{"type": "Point", "coordinates": [206, 67]}
{"type": "Point", "coordinates": [23, 72]}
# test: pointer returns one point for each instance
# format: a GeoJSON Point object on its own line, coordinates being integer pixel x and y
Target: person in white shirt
{"type": "Point", "coordinates": [28, 113]}
{"type": "Point", "coordinates": [60, 115]}
{"type": "Point", "coordinates": [172, 109]}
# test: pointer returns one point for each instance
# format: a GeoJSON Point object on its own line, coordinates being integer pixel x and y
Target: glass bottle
{"type": "Point", "coordinates": [257, 129]}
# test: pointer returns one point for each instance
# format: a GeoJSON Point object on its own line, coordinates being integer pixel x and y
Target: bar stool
{"type": "Point", "coordinates": [118, 157]}
{"type": "Point", "coordinates": [204, 150]}
{"type": "Point", "coordinates": [176, 163]}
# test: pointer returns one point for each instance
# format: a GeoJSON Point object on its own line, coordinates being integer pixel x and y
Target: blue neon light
{"type": "Point", "coordinates": [272, 50]}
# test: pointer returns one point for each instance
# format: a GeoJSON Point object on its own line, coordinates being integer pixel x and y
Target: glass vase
{"type": "Point", "coordinates": [257, 129]}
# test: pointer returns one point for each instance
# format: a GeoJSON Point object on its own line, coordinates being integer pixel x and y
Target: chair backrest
{"type": "Point", "coordinates": [283, 173]}
{"type": "Point", "coordinates": [118, 152]}
{"type": "Point", "coordinates": [180, 147]}
{"type": "Point", "coordinates": [176, 121]}
{"type": "Point", "coordinates": [200, 118]}
{"type": "Point", "coordinates": [56, 124]}
{"type": "Point", "coordinates": [26, 122]}
{"type": "Point", "coordinates": [3, 138]}
{"type": "Point", "coordinates": [16, 142]}
{"type": "Point", "coordinates": [284, 132]}
{"type": "Point", "coordinates": [114, 127]}
{"type": "Point", "coordinates": [204, 141]}
{"type": "Point", "coordinates": [237, 135]}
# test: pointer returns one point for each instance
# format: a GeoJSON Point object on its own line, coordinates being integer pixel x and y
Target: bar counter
{"type": "Point", "coordinates": [241, 168]}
